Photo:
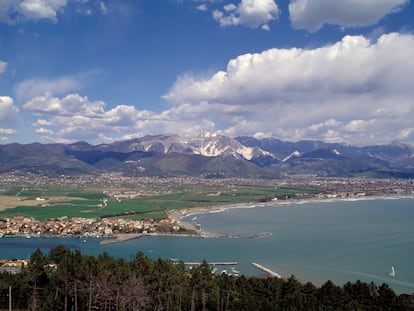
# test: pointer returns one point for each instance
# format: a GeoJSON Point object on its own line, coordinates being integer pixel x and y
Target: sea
{"type": "Point", "coordinates": [318, 240]}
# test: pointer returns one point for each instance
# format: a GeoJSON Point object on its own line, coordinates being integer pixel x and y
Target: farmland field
{"type": "Point", "coordinates": [45, 203]}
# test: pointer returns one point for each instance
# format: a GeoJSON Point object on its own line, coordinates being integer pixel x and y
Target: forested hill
{"type": "Point", "coordinates": [67, 280]}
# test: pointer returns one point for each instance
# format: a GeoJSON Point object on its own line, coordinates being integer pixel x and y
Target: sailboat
{"type": "Point", "coordinates": [392, 273]}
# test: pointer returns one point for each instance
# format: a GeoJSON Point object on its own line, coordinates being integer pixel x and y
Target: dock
{"type": "Point", "coordinates": [267, 270]}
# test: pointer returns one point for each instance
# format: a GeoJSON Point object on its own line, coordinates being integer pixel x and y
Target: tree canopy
{"type": "Point", "coordinates": [64, 279]}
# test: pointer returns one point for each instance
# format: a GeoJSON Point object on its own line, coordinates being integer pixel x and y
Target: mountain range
{"type": "Point", "coordinates": [211, 156]}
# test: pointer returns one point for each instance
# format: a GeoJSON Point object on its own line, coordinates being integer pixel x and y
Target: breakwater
{"type": "Point", "coordinates": [267, 270]}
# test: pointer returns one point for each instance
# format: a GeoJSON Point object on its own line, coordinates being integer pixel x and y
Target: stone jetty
{"type": "Point", "coordinates": [267, 270]}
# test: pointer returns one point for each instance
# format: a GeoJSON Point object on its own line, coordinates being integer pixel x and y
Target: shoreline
{"type": "Point", "coordinates": [193, 231]}
{"type": "Point", "coordinates": [179, 214]}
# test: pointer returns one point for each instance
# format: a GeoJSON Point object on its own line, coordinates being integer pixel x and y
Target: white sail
{"type": "Point", "coordinates": [392, 273]}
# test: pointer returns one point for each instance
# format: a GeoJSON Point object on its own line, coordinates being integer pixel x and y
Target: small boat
{"type": "Point", "coordinates": [392, 273]}
{"type": "Point", "coordinates": [234, 270]}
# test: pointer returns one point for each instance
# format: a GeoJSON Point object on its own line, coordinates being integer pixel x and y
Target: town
{"type": "Point", "coordinates": [84, 227]}
{"type": "Point", "coordinates": [155, 185]}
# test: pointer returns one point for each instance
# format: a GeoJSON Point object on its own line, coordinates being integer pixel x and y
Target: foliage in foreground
{"type": "Point", "coordinates": [67, 280]}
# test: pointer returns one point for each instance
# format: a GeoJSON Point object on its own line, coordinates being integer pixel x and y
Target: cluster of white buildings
{"type": "Point", "coordinates": [76, 226]}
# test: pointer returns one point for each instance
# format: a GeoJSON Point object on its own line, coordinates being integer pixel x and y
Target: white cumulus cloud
{"type": "Point", "coordinates": [8, 114]}
{"type": "Point", "coordinates": [250, 13]}
{"type": "Point", "coordinates": [41, 9]}
{"type": "Point", "coordinates": [14, 11]}
{"type": "Point", "coordinates": [70, 105]}
{"type": "Point", "coordinates": [202, 7]}
{"type": "Point", "coordinates": [313, 14]}
{"type": "Point", "coordinates": [44, 131]}
{"type": "Point", "coordinates": [7, 131]}
{"type": "Point", "coordinates": [297, 93]}
{"type": "Point", "coordinates": [74, 117]}
{"type": "Point", "coordinates": [7, 108]}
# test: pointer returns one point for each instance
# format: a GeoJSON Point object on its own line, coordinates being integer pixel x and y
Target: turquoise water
{"type": "Point", "coordinates": [315, 241]}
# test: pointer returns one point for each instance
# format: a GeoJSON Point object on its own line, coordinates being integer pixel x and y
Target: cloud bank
{"type": "Point", "coordinates": [74, 117]}
{"type": "Point", "coordinates": [352, 91]}
{"type": "Point", "coordinates": [310, 15]}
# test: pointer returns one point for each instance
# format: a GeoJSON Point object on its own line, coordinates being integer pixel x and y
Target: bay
{"type": "Point", "coordinates": [338, 240]}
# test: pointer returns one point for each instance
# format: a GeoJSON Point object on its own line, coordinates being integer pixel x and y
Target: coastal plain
{"type": "Point", "coordinates": [42, 203]}
{"type": "Point", "coordinates": [112, 205]}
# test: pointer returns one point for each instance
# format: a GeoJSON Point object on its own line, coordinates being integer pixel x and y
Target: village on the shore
{"type": "Point", "coordinates": [84, 227]}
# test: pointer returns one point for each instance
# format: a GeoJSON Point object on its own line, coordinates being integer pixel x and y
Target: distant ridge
{"type": "Point", "coordinates": [210, 155]}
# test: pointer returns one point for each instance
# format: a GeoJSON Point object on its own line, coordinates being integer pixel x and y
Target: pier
{"type": "Point", "coordinates": [267, 270]}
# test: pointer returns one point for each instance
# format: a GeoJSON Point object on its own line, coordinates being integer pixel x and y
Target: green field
{"type": "Point", "coordinates": [33, 193]}
{"type": "Point", "coordinates": [89, 204]}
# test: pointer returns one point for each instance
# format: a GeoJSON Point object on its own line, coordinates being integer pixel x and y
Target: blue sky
{"type": "Point", "coordinates": [106, 70]}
